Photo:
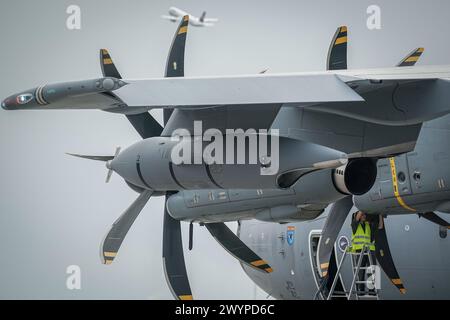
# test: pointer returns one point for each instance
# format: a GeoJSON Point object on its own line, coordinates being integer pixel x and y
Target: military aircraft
{"type": "Point", "coordinates": [176, 14]}
{"type": "Point", "coordinates": [297, 276]}
{"type": "Point", "coordinates": [420, 249]}
{"type": "Point", "coordinates": [334, 126]}
{"type": "Point", "coordinates": [410, 195]}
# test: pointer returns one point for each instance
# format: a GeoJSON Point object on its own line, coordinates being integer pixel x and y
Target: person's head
{"type": "Point", "coordinates": [360, 216]}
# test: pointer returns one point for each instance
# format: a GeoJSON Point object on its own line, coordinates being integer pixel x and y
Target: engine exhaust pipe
{"type": "Point", "coordinates": [357, 177]}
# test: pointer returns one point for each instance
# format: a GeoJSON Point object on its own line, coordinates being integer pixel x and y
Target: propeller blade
{"type": "Point", "coordinates": [116, 153]}
{"type": "Point", "coordinates": [175, 60]}
{"type": "Point", "coordinates": [108, 175]}
{"type": "Point", "coordinates": [96, 158]}
{"type": "Point", "coordinates": [384, 257]}
{"type": "Point", "coordinates": [412, 58]}
{"type": "Point", "coordinates": [173, 259]}
{"type": "Point", "coordinates": [333, 225]}
{"type": "Point", "coordinates": [107, 64]}
{"type": "Point", "coordinates": [238, 249]}
{"type": "Point", "coordinates": [337, 54]}
{"type": "Point", "coordinates": [173, 256]}
{"type": "Point", "coordinates": [433, 217]}
{"type": "Point", "coordinates": [145, 125]}
{"type": "Point", "coordinates": [113, 240]}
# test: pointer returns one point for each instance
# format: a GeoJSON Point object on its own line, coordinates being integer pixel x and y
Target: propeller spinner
{"type": "Point", "coordinates": [108, 165]}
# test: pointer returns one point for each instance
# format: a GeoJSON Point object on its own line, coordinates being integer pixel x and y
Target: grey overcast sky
{"type": "Point", "coordinates": [55, 210]}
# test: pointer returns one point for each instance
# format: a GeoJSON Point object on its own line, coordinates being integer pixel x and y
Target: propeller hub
{"type": "Point", "coordinates": [109, 165]}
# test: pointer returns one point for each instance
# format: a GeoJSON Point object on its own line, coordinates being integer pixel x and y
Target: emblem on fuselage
{"type": "Point", "coordinates": [343, 243]}
{"type": "Point", "coordinates": [290, 235]}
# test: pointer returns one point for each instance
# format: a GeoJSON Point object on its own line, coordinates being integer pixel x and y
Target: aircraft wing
{"type": "Point", "coordinates": [404, 73]}
{"type": "Point", "coordinates": [298, 88]}
{"type": "Point", "coordinates": [171, 18]}
{"type": "Point", "coordinates": [398, 99]}
{"type": "Point", "coordinates": [185, 92]}
{"type": "Point", "coordinates": [223, 118]}
{"type": "Point", "coordinates": [239, 90]}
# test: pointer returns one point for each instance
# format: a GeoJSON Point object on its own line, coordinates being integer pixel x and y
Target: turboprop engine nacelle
{"type": "Point", "coordinates": [148, 164]}
{"type": "Point", "coordinates": [305, 200]}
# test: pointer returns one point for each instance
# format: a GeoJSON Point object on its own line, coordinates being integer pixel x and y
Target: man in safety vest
{"type": "Point", "coordinates": [363, 236]}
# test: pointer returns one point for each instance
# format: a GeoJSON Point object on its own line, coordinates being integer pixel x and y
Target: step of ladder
{"type": "Point", "coordinates": [368, 297]}
{"type": "Point", "coordinates": [353, 290]}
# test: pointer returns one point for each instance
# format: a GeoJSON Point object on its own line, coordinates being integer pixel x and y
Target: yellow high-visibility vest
{"type": "Point", "coordinates": [362, 237]}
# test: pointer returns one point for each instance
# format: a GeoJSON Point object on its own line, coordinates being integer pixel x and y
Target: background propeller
{"type": "Point", "coordinates": [147, 126]}
{"type": "Point", "coordinates": [337, 59]}
{"type": "Point", "coordinates": [173, 256]}
{"type": "Point", "coordinates": [433, 217]}
{"type": "Point", "coordinates": [106, 159]}
{"type": "Point", "coordinates": [384, 256]}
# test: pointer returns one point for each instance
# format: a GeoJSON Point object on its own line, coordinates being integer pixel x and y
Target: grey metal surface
{"type": "Point", "coordinates": [336, 217]}
{"type": "Point", "coordinates": [423, 176]}
{"type": "Point", "coordinates": [231, 243]}
{"type": "Point", "coordinates": [173, 259]}
{"type": "Point", "coordinates": [418, 247]}
{"type": "Point", "coordinates": [229, 90]}
{"type": "Point", "coordinates": [421, 255]}
{"type": "Point", "coordinates": [116, 235]}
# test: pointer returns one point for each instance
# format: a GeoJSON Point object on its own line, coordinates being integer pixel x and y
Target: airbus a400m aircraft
{"type": "Point", "coordinates": [334, 127]}
{"type": "Point", "coordinates": [176, 15]}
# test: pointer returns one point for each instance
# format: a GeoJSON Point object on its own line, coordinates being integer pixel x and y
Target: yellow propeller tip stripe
{"type": "Point", "coordinates": [341, 40]}
{"type": "Point", "coordinates": [110, 254]}
{"type": "Point", "coordinates": [186, 297]}
{"type": "Point", "coordinates": [258, 263]}
{"type": "Point", "coordinates": [412, 59]}
{"type": "Point", "coordinates": [182, 30]}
